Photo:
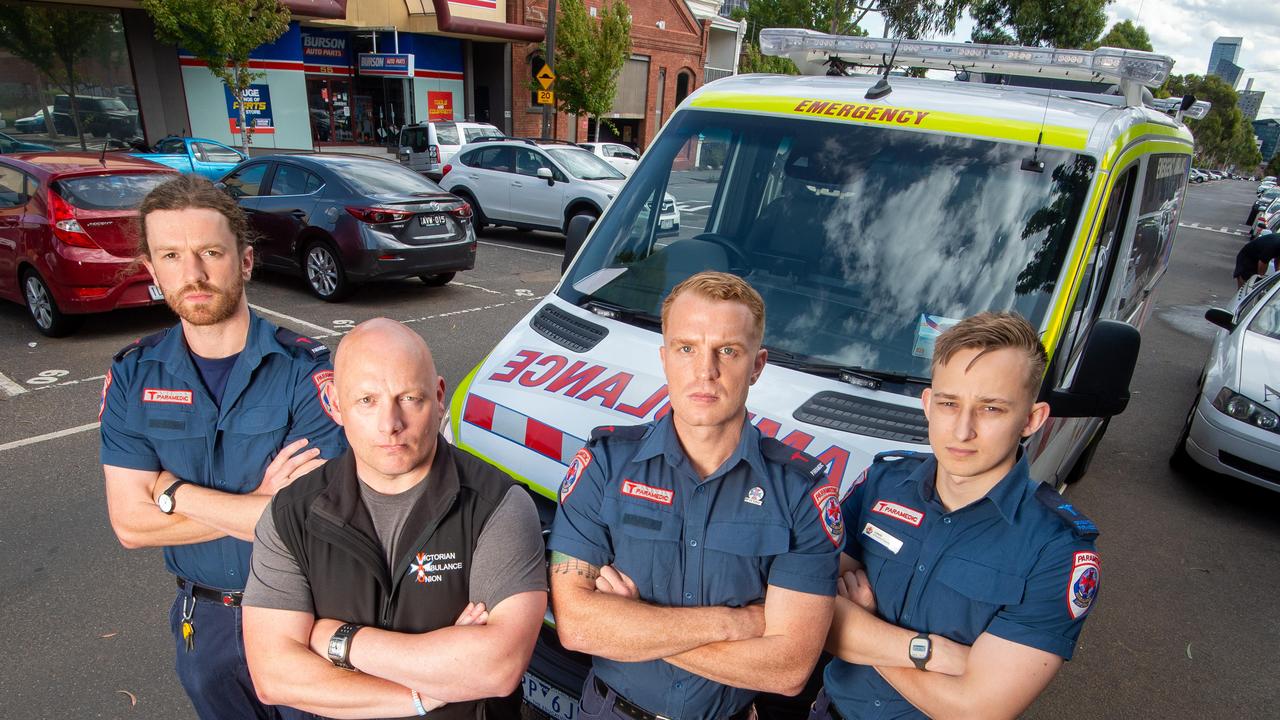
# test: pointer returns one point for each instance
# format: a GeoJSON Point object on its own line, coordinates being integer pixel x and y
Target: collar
{"type": "Point", "coordinates": [1006, 496]}
{"type": "Point", "coordinates": [260, 341]}
{"type": "Point", "coordinates": [342, 494]}
{"type": "Point", "coordinates": [662, 440]}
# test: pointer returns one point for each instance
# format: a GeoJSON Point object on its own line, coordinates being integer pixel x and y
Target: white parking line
{"type": "Point", "coordinates": [10, 387]}
{"type": "Point", "coordinates": [513, 247]}
{"type": "Point", "coordinates": [48, 436]}
{"type": "Point", "coordinates": [464, 311]}
{"type": "Point", "coordinates": [475, 287]}
{"type": "Point", "coordinates": [321, 332]}
{"type": "Point", "coordinates": [1223, 230]}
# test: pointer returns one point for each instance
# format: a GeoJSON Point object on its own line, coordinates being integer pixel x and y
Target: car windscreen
{"type": "Point", "coordinates": [374, 177]}
{"type": "Point", "coordinates": [109, 192]}
{"type": "Point", "coordinates": [1267, 320]}
{"type": "Point", "coordinates": [864, 241]}
{"type": "Point", "coordinates": [472, 133]}
{"type": "Point", "coordinates": [583, 165]}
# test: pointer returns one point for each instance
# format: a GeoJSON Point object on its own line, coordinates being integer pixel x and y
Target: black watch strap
{"type": "Point", "coordinates": [340, 646]}
{"type": "Point", "coordinates": [168, 507]}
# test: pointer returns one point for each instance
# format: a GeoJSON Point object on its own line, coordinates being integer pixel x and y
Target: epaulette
{"type": "Point", "coordinates": [301, 344]}
{"type": "Point", "coordinates": [622, 432]}
{"type": "Point", "coordinates": [896, 455]}
{"type": "Point", "coordinates": [1081, 526]}
{"type": "Point", "coordinates": [149, 341]}
{"type": "Point", "coordinates": [777, 451]}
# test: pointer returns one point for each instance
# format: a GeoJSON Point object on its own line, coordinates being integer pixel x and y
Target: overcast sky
{"type": "Point", "coordinates": [1185, 30]}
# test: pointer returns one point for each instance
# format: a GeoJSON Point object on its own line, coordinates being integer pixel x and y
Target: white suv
{"type": "Point", "coordinates": [426, 147]}
{"type": "Point", "coordinates": [616, 154]}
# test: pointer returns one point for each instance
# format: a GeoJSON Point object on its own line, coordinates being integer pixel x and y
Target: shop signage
{"type": "Point", "coordinates": [257, 110]}
{"type": "Point", "coordinates": [439, 105]}
{"type": "Point", "coordinates": [386, 64]}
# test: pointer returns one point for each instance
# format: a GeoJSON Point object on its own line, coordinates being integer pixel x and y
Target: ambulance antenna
{"type": "Point", "coordinates": [882, 87]}
{"type": "Point", "coordinates": [1034, 163]}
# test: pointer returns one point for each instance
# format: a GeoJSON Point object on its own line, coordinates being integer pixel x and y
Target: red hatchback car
{"type": "Point", "coordinates": [67, 234]}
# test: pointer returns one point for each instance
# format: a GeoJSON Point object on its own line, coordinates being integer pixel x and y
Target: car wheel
{"type": "Point", "coordinates": [325, 274]}
{"type": "Point", "coordinates": [437, 280]}
{"type": "Point", "coordinates": [478, 220]}
{"type": "Point", "coordinates": [44, 310]}
{"type": "Point", "coordinates": [1180, 460]}
{"type": "Point", "coordinates": [1081, 468]}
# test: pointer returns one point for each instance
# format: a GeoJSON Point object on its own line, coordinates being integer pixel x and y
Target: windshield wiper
{"type": "Point", "coordinates": [617, 312]}
{"type": "Point", "coordinates": [856, 375]}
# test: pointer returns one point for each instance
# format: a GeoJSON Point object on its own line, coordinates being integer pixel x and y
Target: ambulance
{"type": "Point", "coordinates": [871, 212]}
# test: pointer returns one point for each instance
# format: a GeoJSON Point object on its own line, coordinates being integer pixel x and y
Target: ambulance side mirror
{"type": "Point", "coordinates": [579, 227]}
{"type": "Point", "coordinates": [1221, 318]}
{"type": "Point", "coordinates": [1101, 384]}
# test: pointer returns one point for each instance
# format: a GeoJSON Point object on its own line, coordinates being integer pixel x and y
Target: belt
{"type": "Point", "coordinates": [229, 599]}
{"type": "Point", "coordinates": [626, 707]}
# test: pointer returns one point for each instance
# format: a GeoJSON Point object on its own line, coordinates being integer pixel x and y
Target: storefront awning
{"type": "Point", "coordinates": [325, 9]}
{"type": "Point", "coordinates": [448, 23]}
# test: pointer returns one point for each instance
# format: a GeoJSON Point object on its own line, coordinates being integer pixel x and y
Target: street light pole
{"type": "Point", "coordinates": [549, 111]}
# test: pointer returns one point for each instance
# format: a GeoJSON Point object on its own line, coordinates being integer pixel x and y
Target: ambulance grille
{"type": "Point", "coordinates": [864, 417]}
{"type": "Point", "coordinates": [567, 330]}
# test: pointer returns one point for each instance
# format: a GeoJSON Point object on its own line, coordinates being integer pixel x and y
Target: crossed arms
{"type": "Point", "coordinates": [287, 655]}
{"type": "Point", "coordinates": [771, 647]}
{"type": "Point", "coordinates": [995, 678]}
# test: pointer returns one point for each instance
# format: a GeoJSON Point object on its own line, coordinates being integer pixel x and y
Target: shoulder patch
{"type": "Point", "coordinates": [149, 341]}
{"type": "Point", "coordinates": [301, 344]}
{"type": "Point", "coordinates": [777, 451]}
{"type": "Point", "coordinates": [622, 432]}
{"type": "Point", "coordinates": [1081, 526]}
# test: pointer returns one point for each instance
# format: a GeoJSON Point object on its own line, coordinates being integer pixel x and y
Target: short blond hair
{"type": "Point", "coordinates": [721, 286]}
{"type": "Point", "coordinates": [989, 331]}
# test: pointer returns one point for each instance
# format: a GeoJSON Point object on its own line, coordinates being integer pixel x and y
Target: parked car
{"type": "Point", "coordinates": [1264, 200]}
{"type": "Point", "coordinates": [1196, 176]}
{"type": "Point", "coordinates": [1233, 427]}
{"type": "Point", "coordinates": [10, 144]}
{"type": "Point", "coordinates": [344, 219]}
{"type": "Point", "coordinates": [616, 154]}
{"type": "Point", "coordinates": [33, 124]}
{"type": "Point", "coordinates": [426, 147]}
{"type": "Point", "coordinates": [1264, 218]}
{"type": "Point", "coordinates": [197, 156]}
{"type": "Point", "coordinates": [67, 240]}
{"type": "Point", "coordinates": [537, 184]}
{"type": "Point", "coordinates": [99, 116]}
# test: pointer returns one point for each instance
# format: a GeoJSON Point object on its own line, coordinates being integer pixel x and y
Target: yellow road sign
{"type": "Point", "coordinates": [546, 97]}
{"type": "Point", "coordinates": [546, 77]}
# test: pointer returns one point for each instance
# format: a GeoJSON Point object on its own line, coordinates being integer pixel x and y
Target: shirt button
{"type": "Point", "coordinates": [679, 685]}
{"type": "Point", "coordinates": [920, 568]}
{"type": "Point", "coordinates": [946, 521]}
{"type": "Point", "coordinates": [688, 596]}
{"type": "Point", "coordinates": [699, 489]}
{"type": "Point", "coordinates": [693, 543]}
{"type": "Point", "coordinates": [877, 703]}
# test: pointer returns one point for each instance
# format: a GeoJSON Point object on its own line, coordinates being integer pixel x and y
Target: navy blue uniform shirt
{"type": "Point", "coordinates": [767, 516]}
{"type": "Point", "coordinates": [1019, 564]}
{"type": "Point", "coordinates": [157, 415]}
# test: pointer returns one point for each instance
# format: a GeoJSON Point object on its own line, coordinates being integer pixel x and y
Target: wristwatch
{"type": "Point", "coordinates": [340, 646]}
{"type": "Point", "coordinates": [920, 650]}
{"type": "Point", "coordinates": [165, 501]}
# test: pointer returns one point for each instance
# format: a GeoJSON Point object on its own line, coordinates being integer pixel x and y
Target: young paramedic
{"type": "Point", "coordinates": [693, 557]}
{"type": "Point", "coordinates": [965, 583]}
{"type": "Point", "coordinates": [201, 424]}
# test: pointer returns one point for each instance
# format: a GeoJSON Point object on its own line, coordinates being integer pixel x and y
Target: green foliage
{"type": "Point", "coordinates": [754, 61]}
{"type": "Point", "coordinates": [1052, 23]}
{"type": "Point", "coordinates": [590, 54]}
{"type": "Point", "coordinates": [1224, 136]}
{"type": "Point", "coordinates": [54, 40]}
{"type": "Point", "coordinates": [222, 33]}
{"type": "Point", "coordinates": [1124, 34]}
{"type": "Point", "coordinates": [1273, 167]}
{"type": "Point", "coordinates": [906, 18]}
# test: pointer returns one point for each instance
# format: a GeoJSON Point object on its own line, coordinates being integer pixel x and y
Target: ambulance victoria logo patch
{"type": "Point", "coordinates": [827, 500]}
{"type": "Point", "coordinates": [1084, 583]}
{"type": "Point", "coordinates": [576, 467]}
{"type": "Point", "coordinates": [325, 390]}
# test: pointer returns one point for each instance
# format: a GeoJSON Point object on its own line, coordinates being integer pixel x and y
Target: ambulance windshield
{"type": "Point", "coordinates": [864, 241]}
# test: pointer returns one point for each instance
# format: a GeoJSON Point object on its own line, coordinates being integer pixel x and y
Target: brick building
{"type": "Point", "coordinates": [676, 47]}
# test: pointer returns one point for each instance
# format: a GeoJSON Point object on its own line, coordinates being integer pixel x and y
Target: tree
{"type": "Point", "coordinates": [1223, 136]}
{"type": "Point", "coordinates": [1052, 23]}
{"type": "Point", "coordinates": [54, 40]}
{"type": "Point", "coordinates": [1124, 34]}
{"type": "Point", "coordinates": [589, 57]}
{"type": "Point", "coordinates": [1273, 167]}
{"type": "Point", "coordinates": [222, 33]}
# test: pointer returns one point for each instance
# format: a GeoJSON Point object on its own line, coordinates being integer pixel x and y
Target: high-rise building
{"type": "Point", "coordinates": [1229, 72]}
{"type": "Point", "coordinates": [1268, 131]}
{"type": "Point", "coordinates": [1250, 101]}
{"type": "Point", "coordinates": [1224, 48]}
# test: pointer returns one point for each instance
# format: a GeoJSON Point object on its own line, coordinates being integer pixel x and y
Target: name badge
{"type": "Point", "coordinates": [882, 537]}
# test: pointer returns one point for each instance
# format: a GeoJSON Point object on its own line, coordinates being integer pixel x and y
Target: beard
{"type": "Point", "coordinates": [220, 307]}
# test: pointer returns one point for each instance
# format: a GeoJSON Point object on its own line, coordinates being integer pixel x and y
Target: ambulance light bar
{"type": "Point", "coordinates": [809, 50]}
{"type": "Point", "coordinates": [1198, 110]}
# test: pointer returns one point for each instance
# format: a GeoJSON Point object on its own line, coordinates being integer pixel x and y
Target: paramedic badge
{"type": "Point", "coordinates": [755, 496]}
{"type": "Point", "coordinates": [1084, 583]}
{"type": "Point", "coordinates": [576, 467]}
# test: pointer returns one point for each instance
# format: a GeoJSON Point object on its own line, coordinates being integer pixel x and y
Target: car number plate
{"type": "Point", "coordinates": [430, 220]}
{"type": "Point", "coordinates": [154, 290]}
{"type": "Point", "coordinates": [548, 698]}
{"type": "Point", "coordinates": [666, 224]}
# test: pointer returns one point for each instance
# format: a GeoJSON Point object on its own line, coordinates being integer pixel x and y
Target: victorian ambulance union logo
{"type": "Point", "coordinates": [827, 500]}
{"type": "Point", "coordinates": [430, 567]}
{"type": "Point", "coordinates": [755, 496]}
{"type": "Point", "coordinates": [1084, 583]}
{"type": "Point", "coordinates": [576, 467]}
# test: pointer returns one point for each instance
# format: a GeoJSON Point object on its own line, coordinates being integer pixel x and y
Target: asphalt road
{"type": "Point", "coordinates": [1184, 626]}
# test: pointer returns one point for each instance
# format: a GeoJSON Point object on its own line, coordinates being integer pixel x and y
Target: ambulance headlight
{"type": "Point", "coordinates": [1243, 409]}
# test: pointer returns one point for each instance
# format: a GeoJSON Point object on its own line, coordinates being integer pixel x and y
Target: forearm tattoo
{"type": "Point", "coordinates": [562, 564]}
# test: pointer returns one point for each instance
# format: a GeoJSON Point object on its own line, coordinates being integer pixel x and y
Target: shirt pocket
{"type": "Point", "coordinates": [735, 569]}
{"type": "Point", "coordinates": [647, 548]}
{"type": "Point", "coordinates": [178, 435]}
{"type": "Point", "coordinates": [974, 593]}
{"type": "Point", "coordinates": [254, 434]}
{"type": "Point", "coordinates": [888, 572]}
